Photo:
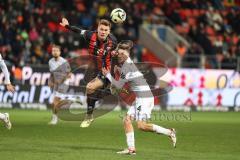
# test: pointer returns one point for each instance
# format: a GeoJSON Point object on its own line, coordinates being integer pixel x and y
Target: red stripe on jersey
{"type": "Point", "coordinates": [92, 43]}
{"type": "Point", "coordinates": [101, 50]}
{"type": "Point", "coordinates": [108, 57]}
{"type": "Point", "coordinates": [99, 56]}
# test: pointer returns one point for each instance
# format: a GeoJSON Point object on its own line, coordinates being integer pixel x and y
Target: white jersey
{"type": "Point", "coordinates": [4, 70]}
{"type": "Point", "coordinates": [130, 73]}
{"type": "Point", "coordinates": [144, 103]}
{"type": "Point", "coordinates": [60, 69]}
{"type": "Point", "coordinates": [54, 65]}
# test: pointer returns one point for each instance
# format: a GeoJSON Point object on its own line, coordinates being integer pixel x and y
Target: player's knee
{"type": "Point", "coordinates": [142, 126]}
{"type": "Point", "coordinates": [89, 89]}
{"type": "Point", "coordinates": [127, 121]}
{"type": "Point", "coordinates": [56, 102]}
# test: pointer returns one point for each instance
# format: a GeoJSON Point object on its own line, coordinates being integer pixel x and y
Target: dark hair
{"type": "Point", "coordinates": [125, 45]}
{"type": "Point", "coordinates": [105, 22]}
{"type": "Point", "coordinates": [56, 46]}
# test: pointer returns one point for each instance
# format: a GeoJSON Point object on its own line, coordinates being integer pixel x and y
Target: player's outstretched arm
{"type": "Point", "coordinates": [66, 24]}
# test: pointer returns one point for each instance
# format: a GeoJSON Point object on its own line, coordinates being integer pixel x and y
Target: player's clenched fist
{"type": "Point", "coordinates": [114, 53]}
{"type": "Point", "coordinates": [64, 22]}
{"type": "Point", "coordinates": [105, 71]}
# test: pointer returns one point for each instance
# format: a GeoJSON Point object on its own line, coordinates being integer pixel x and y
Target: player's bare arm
{"type": "Point", "coordinates": [10, 88]}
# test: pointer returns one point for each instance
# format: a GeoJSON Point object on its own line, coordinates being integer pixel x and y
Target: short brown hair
{"type": "Point", "coordinates": [105, 23]}
{"type": "Point", "coordinates": [125, 45]}
{"type": "Point", "coordinates": [56, 46]}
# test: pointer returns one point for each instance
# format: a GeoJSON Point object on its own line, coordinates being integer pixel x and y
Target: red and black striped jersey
{"type": "Point", "coordinates": [100, 49]}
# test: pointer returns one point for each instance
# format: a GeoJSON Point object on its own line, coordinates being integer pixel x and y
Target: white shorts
{"type": "Point", "coordinates": [141, 109]}
{"type": "Point", "coordinates": [59, 95]}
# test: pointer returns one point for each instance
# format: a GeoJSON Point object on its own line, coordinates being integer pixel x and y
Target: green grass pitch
{"type": "Point", "coordinates": [208, 136]}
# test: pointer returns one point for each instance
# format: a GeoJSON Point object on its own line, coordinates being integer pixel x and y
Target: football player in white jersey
{"type": "Point", "coordinates": [144, 103]}
{"type": "Point", "coordinates": [5, 116]}
{"type": "Point", "coordinates": [60, 72]}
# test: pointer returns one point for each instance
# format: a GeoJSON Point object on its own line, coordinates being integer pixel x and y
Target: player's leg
{"type": "Point", "coordinates": [2, 116]}
{"type": "Point", "coordinates": [6, 119]}
{"type": "Point", "coordinates": [129, 131]}
{"type": "Point", "coordinates": [148, 127]}
{"type": "Point", "coordinates": [143, 113]}
{"type": "Point", "coordinates": [55, 109]}
{"type": "Point", "coordinates": [91, 88]}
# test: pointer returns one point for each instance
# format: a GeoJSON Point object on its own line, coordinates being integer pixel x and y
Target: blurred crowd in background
{"type": "Point", "coordinates": [214, 25]}
{"type": "Point", "coordinates": [29, 27]}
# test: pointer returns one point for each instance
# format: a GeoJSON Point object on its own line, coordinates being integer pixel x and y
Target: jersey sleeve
{"type": "Point", "coordinates": [118, 84]}
{"type": "Point", "coordinates": [66, 67]}
{"type": "Point", "coordinates": [132, 72]}
{"type": "Point", "coordinates": [111, 61]}
{"type": "Point", "coordinates": [114, 41]}
{"type": "Point", "coordinates": [5, 71]}
{"type": "Point", "coordinates": [108, 61]}
{"type": "Point", "coordinates": [86, 34]}
{"type": "Point", "coordinates": [50, 66]}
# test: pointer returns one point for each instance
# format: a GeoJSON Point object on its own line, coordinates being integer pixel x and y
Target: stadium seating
{"type": "Point", "coordinates": [26, 33]}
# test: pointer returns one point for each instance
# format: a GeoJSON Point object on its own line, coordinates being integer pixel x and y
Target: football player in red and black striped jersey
{"type": "Point", "coordinates": [100, 43]}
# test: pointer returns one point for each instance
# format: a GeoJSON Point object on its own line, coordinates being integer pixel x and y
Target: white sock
{"type": "Point", "coordinates": [2, 116]}
{"type": "Point", "coordinates": [130, 140]}
{"type": "Point", "coordinates": [161, 130]}
{"type": "Point", "coordinates": [54, 116]}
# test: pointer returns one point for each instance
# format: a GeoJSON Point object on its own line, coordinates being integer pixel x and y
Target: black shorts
{"type": "Point", "coordinates": [105, 81]}
{"type": "Point", "coordinates": [105, 90]}
{"type": "Point", "coordinates": [91, 74]}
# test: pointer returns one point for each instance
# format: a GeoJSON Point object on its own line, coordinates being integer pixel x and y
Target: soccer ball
{"type": "Point", "coordinates": [118, 15]}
